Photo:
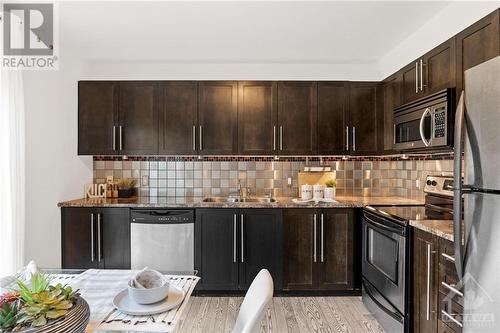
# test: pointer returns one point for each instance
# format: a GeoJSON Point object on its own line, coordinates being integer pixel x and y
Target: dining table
{"type": "Point", "coordinates": [100, 286]}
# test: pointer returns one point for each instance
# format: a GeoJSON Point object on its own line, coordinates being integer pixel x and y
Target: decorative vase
{"type": "Point", "coordinates": [75, 321]}
{"type": "Point", "coordinates": [329, 192]}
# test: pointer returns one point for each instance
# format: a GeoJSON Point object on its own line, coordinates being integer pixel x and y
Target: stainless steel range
{"type": "Point", "coordinates": [386, 252]}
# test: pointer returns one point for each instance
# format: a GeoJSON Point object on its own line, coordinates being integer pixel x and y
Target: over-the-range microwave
{"type": "Point", "coordinates": [425, 123]}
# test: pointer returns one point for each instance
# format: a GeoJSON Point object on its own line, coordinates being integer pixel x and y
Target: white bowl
{"type": "Point", "coordinates": [156, 287]}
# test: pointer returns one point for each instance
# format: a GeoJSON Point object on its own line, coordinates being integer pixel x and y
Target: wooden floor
{"type": "Point", "coordinates": [287, 314]}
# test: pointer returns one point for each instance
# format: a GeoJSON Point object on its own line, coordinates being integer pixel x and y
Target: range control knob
{"type": "Point", "coordinates": [434, 183]}
{"type": "Point", "coordinates": [428, 182]}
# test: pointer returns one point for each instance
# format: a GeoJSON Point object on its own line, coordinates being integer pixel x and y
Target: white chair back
{"type": "Point", "coordinates": [255, 304]}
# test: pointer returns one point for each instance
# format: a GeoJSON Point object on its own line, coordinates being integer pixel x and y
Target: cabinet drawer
{"type": "Point", "coordinates": [450, 312]}
{"type": "Point", "coordinates": [443, 328]}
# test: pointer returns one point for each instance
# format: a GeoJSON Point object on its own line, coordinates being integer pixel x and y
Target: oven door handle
{"type": "Point", "coordinates": [421, 127]}
{"type": "Point", "coordinates": [393, 314]}
{"type": "Point", "coordinates": [383, 226]}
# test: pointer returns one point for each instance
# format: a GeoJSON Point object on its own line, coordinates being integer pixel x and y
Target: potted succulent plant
{"type": "Point", "coordinates": [330, 186]}
{"type": "Point", "coordinates": [41, 307]}
{"type": "Point", "coordinates": [126, 187]}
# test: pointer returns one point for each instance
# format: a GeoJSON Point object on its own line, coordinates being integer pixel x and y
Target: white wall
{"type": "Point", "coordinates": [445, 24]}
{"type": "Point", "coordinates": [54, 172]}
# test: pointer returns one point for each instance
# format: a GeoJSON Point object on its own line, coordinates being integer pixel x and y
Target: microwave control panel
{"type": "Point", "coordinates": [439, 122]}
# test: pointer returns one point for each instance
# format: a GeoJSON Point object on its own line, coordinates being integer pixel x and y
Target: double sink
{"type": "Point", "coordinates": [240, 199]}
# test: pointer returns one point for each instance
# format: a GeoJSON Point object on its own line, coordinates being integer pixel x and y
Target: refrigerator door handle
{"type": "Point", "coordinates": [457, 181]}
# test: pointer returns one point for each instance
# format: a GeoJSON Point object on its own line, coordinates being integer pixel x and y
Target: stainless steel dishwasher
{"type": "Point", "coordinates": [162, 239]}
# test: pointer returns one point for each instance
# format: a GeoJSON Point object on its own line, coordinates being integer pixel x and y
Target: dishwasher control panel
{"type": "Point", "coordinates": [161, 216]}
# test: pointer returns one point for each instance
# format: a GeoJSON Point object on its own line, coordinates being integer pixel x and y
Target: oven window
{"type": "Point", "coordinates": [410, 131]}
{"type": "Point", "coordinates": [382, 253]}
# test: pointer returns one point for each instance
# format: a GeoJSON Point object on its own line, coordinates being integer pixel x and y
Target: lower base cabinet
{"type": "Point", "coordinates": [319, 249]}
{"type": "Point", "coordinates": [233, 245]}
{"type": "Point", "coordinates": [95, 238]}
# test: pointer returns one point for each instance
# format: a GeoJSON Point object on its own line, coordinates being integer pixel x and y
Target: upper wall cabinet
{"type": "Point", "coordinates": [391, 98]}
{"type": "Point", "coordinates": [178, 117]}
{"type": "Point", "coordinates": [138, 118]}
{"type": "Point", "coordinates": [97, 118]}
{"type": "Point", "coordinates": [297, 117]}
{"type": "Point", "coordinates": [476, 44]}
{"type": "Point", "coordinates": [218, 114]}
{"type": "Point", "coordinates": [365, 122]}
{"type": "Point", "coordinates": [333, 117]}
{"type": "Point", "coordinates": [257, 118]}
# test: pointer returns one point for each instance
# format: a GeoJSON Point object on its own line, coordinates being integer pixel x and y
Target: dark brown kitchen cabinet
{"type": "Point", "coordinates": [97, 117]}
{"type": "Point", "coordinates": [425, 290]}
{"type": "Point", "coordinates": [365, 121]}
{"type": "Point", "coordinates": [391, 94]}
{"type": "Point", "coordinates": [233, 245]}
{"type": "Point", "coordinates": [138, 118]}
{"type": "Point", "coordinates": [439, 68]}
{"type": "Point", "coordinates": [257, 117]}
{"type": "Point", "coordinates": [95, 238]}
{"type": "Point", "coordinates": [318, 249]}
{"type": "Point", "coordinates": [297, 118]}
{"type": "Point", "coordinates": [178, 117]}
{"type": "Point", "coordinates": [477, 44]}
{"type": "Point", "coordinates": [218, 114]}
{"type": "Point", "coordinates": [409, 82]}
{"type": "Point", "coordinates": [333, 117]}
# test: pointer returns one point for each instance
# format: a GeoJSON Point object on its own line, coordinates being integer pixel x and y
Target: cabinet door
{"type": "Point", "coordinates": [217, 243]}
{"type": "Point", "coordinates": [178, 117]}
{"type": "Point", "coordinates": [409, 89]}
{"type": "Point", "coordinates": [115, 239]}
{"type": "Point", "coordinates": [425, 291]}
{"type": "Point", "coordinates": [332, 117]}
{"type": "Point", "coordinates": [260, 245]}
{"type": "Point", "coordinates": [297, 117]}
{"type": "Point", "coordinates": [477, 44]}
{"type": "Point", "coordinates": [336, 249]}
{"type": "Point", "coordinates": [391, 90]}
{"type": "Point", "coordinates": [257, 117]}
{"type": "Point", "coordinates": [364, 118]}
{"type": "Point", "coordinates": [298, 249]}
{"type": "Point", "coordinates": [79, 238]}
{"type": "Point", "coordinates": [97, 110]}
{"type": "Point", "coordinates": [218, 113]}
{"type": "Point", "coordinates": [138, 133]}
{"type": "Point", "coordinates": [440, 68]}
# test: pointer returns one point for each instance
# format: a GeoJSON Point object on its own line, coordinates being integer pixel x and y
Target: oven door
{"type": "Point", "coordinates": [384, 258]}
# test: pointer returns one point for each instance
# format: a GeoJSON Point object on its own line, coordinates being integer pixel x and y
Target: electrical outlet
{"type": "Point", "coordinates": [417, 183]}
{"type": "Point", "coordinates": [145, 180]}
{"type": "Point", "coordinates": [289, 181]}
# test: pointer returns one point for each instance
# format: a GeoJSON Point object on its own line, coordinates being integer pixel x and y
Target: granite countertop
{"type": "Point", "coordinates": [441, 228]}
{"type": "Point", "coordinates": [190, 202]}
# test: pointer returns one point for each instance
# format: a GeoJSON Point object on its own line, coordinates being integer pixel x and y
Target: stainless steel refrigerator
{"type": "Point", "coordinates": [477, 134]}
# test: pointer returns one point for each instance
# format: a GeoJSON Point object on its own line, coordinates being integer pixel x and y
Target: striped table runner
{"type": "Point", "coordinates": [99, 287]}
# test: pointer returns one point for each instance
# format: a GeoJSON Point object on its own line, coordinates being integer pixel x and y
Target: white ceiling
{"type": "Point", "coordinates": [302, 32]}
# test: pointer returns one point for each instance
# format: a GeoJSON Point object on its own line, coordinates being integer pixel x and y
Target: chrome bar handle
{"type": "Point", "coordinates": [428, 293]}
{"type": "Point", "coordinates": [114, 137]}
{"type": "Point", "coordinates": [421, 127]}
{"type": "Point", "coordinates": [354, 138]}
{"type": "Point", "coordinates": [92, 254]}
{"type": "Point", "coordinates": [194, 137]}
{"type": "Point", "coordinates": [120, 128]}
{"type": "Point", "coordinates": [242, 237]}
{"type": "Point", "coordinates": [314, 239]}
{"type": "Point", "coordinates": [274, 137]}
{"type": "Point", "coordinates": [448, 257]}
{"type": "Point", "coordinates": [394, 135]}
{"type": "Point", "coordinates": [421, 75]}
{"type": "Point", "coordinates": [347, 138]}
{"type": "Point", "coordinates": [201, 137]}
{"type": "Point", "coordinates": [234, 239]}
{"type": "Point", "coordinates": [457, 181]}
{"type": "Point", "coordinates": [322, 238]}
{"type": "Point", "coordinates": [281, 137]}
{"type": "Point", "coordinates": [99, 252]}
{"type": "Point", "coordinates": [416, 77]}
{"type": "Point", "coordinates": [450, 317]}
{"type": "Point", "coordinates": [452, 289]}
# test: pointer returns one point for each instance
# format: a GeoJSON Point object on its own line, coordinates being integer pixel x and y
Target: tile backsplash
{"type": "Point", "coordinates": [157, 177]}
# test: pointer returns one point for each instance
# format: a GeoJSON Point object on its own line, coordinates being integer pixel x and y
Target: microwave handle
{"type": "Point", "coordinates": [422, 136]}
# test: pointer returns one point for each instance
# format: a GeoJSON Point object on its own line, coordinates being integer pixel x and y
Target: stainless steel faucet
{"type": "Point", "coordinates": [240, 190]}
